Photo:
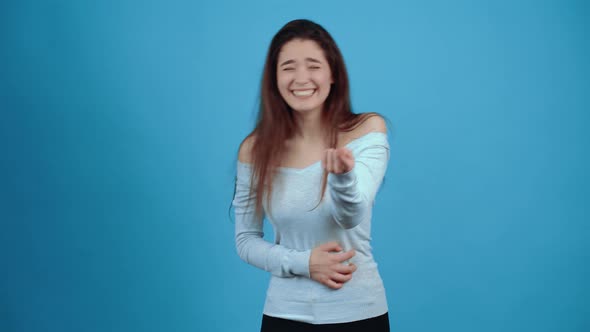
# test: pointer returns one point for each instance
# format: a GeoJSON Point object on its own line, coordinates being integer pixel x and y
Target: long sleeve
{"type": "Point", "coordinates": [354, 192]}
{"type": "Point", "coordinates": [250, 244]}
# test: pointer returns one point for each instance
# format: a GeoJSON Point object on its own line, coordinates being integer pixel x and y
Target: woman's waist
{"type": "Point", "coordinates": [365, 282]}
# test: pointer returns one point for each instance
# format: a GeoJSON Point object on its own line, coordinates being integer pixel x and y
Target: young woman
{"type": "Point", "coordinates": [313, 168]}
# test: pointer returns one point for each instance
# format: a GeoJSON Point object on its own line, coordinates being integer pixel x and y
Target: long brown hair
{"type": "Point", "coordinates": [276, 124]}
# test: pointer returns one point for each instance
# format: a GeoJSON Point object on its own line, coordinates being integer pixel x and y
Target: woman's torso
{"type": "Point", "coordinates": [300, 223]}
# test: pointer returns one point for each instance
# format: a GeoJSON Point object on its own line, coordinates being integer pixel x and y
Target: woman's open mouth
{"type": "Point", "coordinates": [303, 93]}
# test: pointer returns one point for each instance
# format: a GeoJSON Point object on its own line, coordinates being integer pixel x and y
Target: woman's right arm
{"type": "Point", "coordinates": [250, 244]}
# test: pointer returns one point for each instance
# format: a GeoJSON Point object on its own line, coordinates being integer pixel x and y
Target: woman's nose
{"type": "Point", "coordinates": [301, 75]}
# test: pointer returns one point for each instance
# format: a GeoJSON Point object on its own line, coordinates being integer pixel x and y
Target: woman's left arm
{"type": "Point", "coordinates": [353, 192]}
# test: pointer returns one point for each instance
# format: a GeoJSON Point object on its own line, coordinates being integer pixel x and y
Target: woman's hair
{"type": "Point", "coordinates": [276, 124]}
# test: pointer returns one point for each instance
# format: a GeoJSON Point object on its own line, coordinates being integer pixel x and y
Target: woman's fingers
{"type": "Point", "coordinates": [332, 284]}
{"type": "Point", "coordinates": [345, 269]}
{"type": "Point", "coordinates": [341, 257]}
{"type": "Point", "coordinates": [337, 279]}
{"type": "Point", "coordinates": [345, 160]}
{"type": "Point", "coordinates": [340, 278]}
{"type": "Point", "coordinates": [338, 161]}
{"type": "Point", "coordinates": [326, 265]}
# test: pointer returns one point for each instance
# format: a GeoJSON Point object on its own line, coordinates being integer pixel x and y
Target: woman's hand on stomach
{"type": "Point", "coordinates": [326, 266]}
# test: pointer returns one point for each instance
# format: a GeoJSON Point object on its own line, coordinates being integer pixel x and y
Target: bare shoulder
{"type": "Point", "coordinates": [373, 123]}
{"type": "Point", "coordinates": [245, 153]}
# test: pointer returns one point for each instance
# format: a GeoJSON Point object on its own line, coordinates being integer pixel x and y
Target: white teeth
{"type": "Point", "coordinates": [303, 93]}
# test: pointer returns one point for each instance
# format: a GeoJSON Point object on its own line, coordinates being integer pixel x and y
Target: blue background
{"type": "Point", "coordinates": [119, 128]}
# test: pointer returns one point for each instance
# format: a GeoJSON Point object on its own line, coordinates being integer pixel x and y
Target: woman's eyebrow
{"type": "Point", "coordinates": [288, 62]}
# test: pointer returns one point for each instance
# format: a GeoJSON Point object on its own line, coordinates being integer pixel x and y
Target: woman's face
{"type": "Point", "coordinates": [303, 75]}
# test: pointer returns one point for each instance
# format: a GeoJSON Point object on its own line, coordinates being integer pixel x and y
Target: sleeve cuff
{"type": "Point", "coordinates": [343, 180]}
{"type": "Point", "coordinates": [300, 262]}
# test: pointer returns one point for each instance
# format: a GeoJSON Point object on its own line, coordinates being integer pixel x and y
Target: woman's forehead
{"type": "Point", "coordinates": [300, 49]}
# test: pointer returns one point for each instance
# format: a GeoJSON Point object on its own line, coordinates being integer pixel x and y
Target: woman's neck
{"type": "Point", "coordinates": [310, 126]}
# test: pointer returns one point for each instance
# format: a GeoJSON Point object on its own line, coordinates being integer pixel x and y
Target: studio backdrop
{"type": "Point", "coordinates": [120, 123]}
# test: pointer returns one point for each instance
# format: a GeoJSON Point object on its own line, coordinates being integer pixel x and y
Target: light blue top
{"type": "Point", "coordinates": [343, 216]}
